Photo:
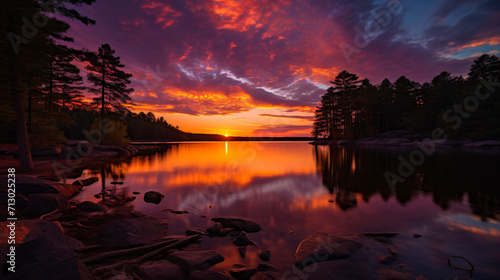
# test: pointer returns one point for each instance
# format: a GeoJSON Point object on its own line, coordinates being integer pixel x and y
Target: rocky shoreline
{"type": "Point", "coordinates": [407, 139]}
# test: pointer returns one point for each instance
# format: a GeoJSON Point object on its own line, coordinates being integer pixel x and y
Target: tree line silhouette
{"type": "Point", "coordinates": [42, 88]}
{"type": "Point", "coordinates": [355, 108]}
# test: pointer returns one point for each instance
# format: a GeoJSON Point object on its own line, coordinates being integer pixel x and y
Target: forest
{"type": "Point", "coordinates": [465, 108]}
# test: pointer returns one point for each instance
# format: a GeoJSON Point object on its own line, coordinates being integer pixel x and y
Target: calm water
{"type": "Point", "coordinates": [452, 200]}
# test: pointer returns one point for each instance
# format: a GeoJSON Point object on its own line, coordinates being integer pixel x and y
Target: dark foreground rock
{"type": "Point", "coordinates": [43, 203]}
{"type": "Point", "coordinates": [195, 260]}
{"type": "Point", "coordinates": [265, 254]}
{"type": "Point", "coordinates": [320, 247]}
{"type": "Point", "coordinates": [207, 275]}
{"type": "Point", "coordinates": [161, 270]}
{"type": "Point", "coordinates": [241, 224]}
{"type": "Point", "coordinates": [130, 232]}
{"type": "Point", "coordinates": [46, 253]}
{"type": "Point", "coordinates": [243, 240]}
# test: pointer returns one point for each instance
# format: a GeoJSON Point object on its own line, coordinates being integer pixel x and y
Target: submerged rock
{"type": "Point", "coordinates": [131, 232]}
{"type": "Point", "coordinates": [179, 211]}
{"type": "Point", "coordinates": [320, 247]}
{"type": "Point", "coordinates": [161, 270]}
{"type": "Point", "coordinates": [196, 260]}
{"type": "Point", "coordinates": [265, 254]}
{"type": "Point", "coordinates": [266, 267]}
{"type": "Point", "coordinates": [241, 224]}
{"type": "Point", "coordinates": [242, 251]}
{"type": "Point", "coordinates": [153, 197]}
{"type": "Point", "coordinates": [86, 182]}
{"type": "Point", "coordinates": [243, 240]}
{"type": "Point", "coordinates": [194, 231]}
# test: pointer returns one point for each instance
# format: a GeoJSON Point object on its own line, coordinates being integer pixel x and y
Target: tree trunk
{"type": "Point", "coordinates": [22, 133]}
{"type": "Point", "coordinates": [102, 96]}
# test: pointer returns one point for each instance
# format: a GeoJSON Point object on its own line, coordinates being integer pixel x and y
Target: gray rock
{"type": "Point", "coordinates": [89, 206]}
{"type": "Point", "coordinates": [243, 240]}
{"type": "Point", "coordinates": [322, 246]}
{"type": "Point", "coordinates": [131, 232]}
{"type": "Point", "coordinates": [161, 270]}
{"type": "Point", "coordinates": [196, 260]}
{"type": "Point", "coordinates": [153, 197]}
{"type": "Point", "coordinates": [215, 228]}
{"type": "Point", "coordinates": [265, 254]}
{"type": "Point", "coordinates": [241, 224]}
{"type": "Point", "coordinates": [207, 275]}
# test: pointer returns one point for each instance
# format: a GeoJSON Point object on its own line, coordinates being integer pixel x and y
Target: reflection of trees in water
{"type": "Point", "coordinates": [448, 176]}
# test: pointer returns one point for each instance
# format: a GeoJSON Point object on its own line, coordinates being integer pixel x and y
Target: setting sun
{"type": "Point", "coordinates": [227, 135]}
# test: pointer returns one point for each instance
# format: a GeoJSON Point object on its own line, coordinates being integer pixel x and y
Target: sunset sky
{"type": "Point", "coordinates": [248, 67]}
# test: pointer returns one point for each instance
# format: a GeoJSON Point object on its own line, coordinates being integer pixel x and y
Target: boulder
{"type": "Point", "coordinates": [161, 270]}
{"type": "Point", "coordinates": [131, 232]}
{"type": "Point", "coordinates": [89, 206]}
{"type": "Point", "coordinates": [45, 252]}
{"type": "Point", "coordinates": [207, 275]}
{"type": "Point", "coordinates": [243, 273]}
{"type": "Point", "coordinates": [153, 197]}
{"type": "Point", "coordinates": [196, 260]}
{"type": "Point", "coordinates": [215, 228]}
{"type": "Point", "coordinates": [243, 240]}
{"type": "Point", "coordinates": [320, 247]}
{"type": "Point", "coordinates": [241, 224]}
{"type": "Point", "coordinates": [43, 203]}
{"type": "Point", "coordinates": [265, 254]}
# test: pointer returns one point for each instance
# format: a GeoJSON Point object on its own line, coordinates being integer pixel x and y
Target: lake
{"type": "Point", "coordinates": [452, 200]}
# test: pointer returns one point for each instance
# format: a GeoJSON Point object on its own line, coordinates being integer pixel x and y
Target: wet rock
{"type": "Point", "coordinates": [416, 235]}
{"type": "Point", "coordinates": [207, 275]}
{"type": "Point", "coordinates": [265, 254]}
{"type": "Point", "coordinates": [86, 182]}
{"type": "Point", "coordinates": [239, 265]}
{"type": "Point", "coordinates": [243, 273]}
{"type": "Point", "coordinates": [130, 232]}
{"type": "Point", "coordinates": [215, 228]}
{"type": "Point", "coordinates": [47, 253]}
{"type": "Point", "coordinates": [243, 240]}
{"type": "Point", "coordinates": [116, 183]}
{"type": "Point", "coordinates": [387, 259]}
{"type": "Point", "coordinates": [161, 270]}
{"type": "Point", "coordinates": [194, 231]}
{"type": "Point", "coordinates": [43, 203]}
{"type": "Point", "coordinates": [88, 206]}
{"type": "Point", "coordinates": [196, 260]}
{"type": "Point", "coordinates": [267, 275]}
{"type": "Point", "coordinates": [153, 197]}
{"type": "Point", "coordinates": [136, 193]}
{"type": "Point", "coordinates": [330, 200]}
{"type": "Point", "coordinates": [322, 246]}
{"type": "Point", "coordinates": [290, 232]}
{"type": "Point", "coordinates": [234, 233]}
{"type": "Point", "coordinates": [266, 267]}
{"type": "Point", "coordinates": [242, 251]}
{"type": "Point", "coordinates": [241, 224]}
{"type": "Point", "coordinates": [203, 216]}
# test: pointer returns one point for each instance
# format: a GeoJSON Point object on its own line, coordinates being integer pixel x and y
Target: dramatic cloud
{"type": "Point", "coordinates": [237, 58]}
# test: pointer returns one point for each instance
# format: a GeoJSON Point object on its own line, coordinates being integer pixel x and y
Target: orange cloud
{"type": "Point", "coordinates": [164, 13]}
{"type": "Point", "coordinates": [495, 40]}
